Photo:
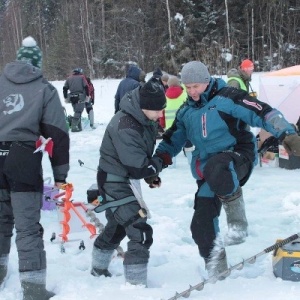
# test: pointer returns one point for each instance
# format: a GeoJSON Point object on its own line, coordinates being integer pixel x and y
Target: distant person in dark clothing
{"type": "Point", "coordinates": [142, 77]}
{"type": "Point", "coordinates": [89, 104]}
{"type": "Point", "coordinates": [157, 73]}
{"type": "Point", "coordinates": [79, 94]}
{"type": "Point", "coordinates": [91, 90]}
{"type": "Point", "coordinates": [129, 83]}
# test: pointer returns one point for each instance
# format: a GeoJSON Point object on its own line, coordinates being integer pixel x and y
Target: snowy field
{"type": "Point", "coordinates": [272, 197]}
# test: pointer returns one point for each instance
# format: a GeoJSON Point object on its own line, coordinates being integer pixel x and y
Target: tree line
{"type": "Point", "coordinates": [102, 36]}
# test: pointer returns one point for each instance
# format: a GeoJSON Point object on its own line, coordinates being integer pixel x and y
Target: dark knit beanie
{"type": "Point", "coordinates": [152, 96]}
{"type": "Point", "coordinates": [157, 73]}
{"type": "Point", "coordinates": [194, 72]}
{"type": "Point", "coordinates": [30, 52]}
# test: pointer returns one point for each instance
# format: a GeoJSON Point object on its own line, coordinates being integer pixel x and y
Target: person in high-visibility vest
{"type": "Point", "coordinates": [175, 95]}
{"type": "Point", "coordinates": [240, 78]}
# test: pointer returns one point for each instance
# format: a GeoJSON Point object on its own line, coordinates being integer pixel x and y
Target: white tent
{"type": "Point", "coordinates": [281, 89]}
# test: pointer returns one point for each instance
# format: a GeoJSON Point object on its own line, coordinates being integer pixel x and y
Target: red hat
{"type": "Point", "coordinates": [247, 64]}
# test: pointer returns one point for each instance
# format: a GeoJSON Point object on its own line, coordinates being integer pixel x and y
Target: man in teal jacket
{"type": "Point", "coordinates": [215, 119]}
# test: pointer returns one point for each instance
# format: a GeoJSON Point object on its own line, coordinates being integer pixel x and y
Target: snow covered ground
{"type": "Point", "coordinates": [272, 199]}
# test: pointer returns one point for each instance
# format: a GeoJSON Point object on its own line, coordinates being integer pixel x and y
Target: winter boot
{"type": "Point", "coordinates": [34, 285]}
{"type": "Point", "coordinates": [136, 274]}
{"type": "Point", "coordinates": [35, 291]}
{"type": "Point", "coordinates": [3, 272]}
{"type": "Point", "coordinates": [3, 268]}
{"type": "Point", "coordinates": [216, 264]}
{"type": "Point", "coordinates": [234, 207]}
{"type": "Point", "coordinates": [76, 125]}
{"type": "Point", "coordinates": [91, 118]}
{"type": "Point", "coordinates": [100, 262]}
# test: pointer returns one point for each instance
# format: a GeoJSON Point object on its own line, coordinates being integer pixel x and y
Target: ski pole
{"type": "Point", "coordinates": [239, 266]}
{"type": "Point", "coordinates": [81, 163]}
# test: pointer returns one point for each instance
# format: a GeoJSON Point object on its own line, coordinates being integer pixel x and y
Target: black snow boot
{"type": "Point", "coordinates": [100, 272]}
{"type": "Point", "coordinates": [35, 291]}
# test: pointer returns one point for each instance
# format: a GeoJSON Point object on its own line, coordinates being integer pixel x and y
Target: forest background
{"type": "Point", "coordinates": [102, 36]}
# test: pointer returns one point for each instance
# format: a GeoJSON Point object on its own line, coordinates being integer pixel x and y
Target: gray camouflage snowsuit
{"type": "Point", "coordinates": [29, 107]}
{"type": "Point", "coordinates": [78, 86]}
{"type": "Point", "coordinates": [126, 153]}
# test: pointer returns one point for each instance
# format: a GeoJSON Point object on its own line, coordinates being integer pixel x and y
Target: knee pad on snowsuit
{"type": "Point", "coordinates": [147, 231]}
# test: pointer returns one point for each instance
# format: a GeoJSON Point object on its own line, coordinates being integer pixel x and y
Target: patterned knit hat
{"type": "Point", "coordinates": [30, 52]}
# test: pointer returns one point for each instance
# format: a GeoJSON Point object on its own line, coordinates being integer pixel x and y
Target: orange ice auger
{"type": "Point", "coordinates": [67, 205]}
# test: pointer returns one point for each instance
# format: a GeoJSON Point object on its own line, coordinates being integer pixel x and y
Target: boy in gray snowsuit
{"type": "Point", "coordinates": [126, 154]}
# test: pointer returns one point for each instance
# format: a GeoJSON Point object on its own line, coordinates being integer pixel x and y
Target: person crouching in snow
{"type": "Point", "coordinates": [125, 155]}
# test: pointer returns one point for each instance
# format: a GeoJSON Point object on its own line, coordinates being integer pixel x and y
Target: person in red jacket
{"type": "Point", "coordinates": [89, 104]}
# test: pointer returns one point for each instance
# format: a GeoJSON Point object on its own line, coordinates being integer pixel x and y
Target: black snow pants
{"type": "Point", "coordinates": [223, 174]}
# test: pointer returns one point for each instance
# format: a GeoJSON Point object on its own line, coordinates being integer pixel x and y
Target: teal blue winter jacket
{"type": "Point", "coordinates": [218, 123]}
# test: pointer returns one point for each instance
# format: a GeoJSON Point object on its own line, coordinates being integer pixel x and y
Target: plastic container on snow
{"type": "Point", "coordinates": [50, 191]}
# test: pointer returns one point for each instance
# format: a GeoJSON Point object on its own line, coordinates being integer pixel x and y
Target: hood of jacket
{"type": "Point", "coordinates": [21, 72]}
{"type": "Point", "coordinates": [173, 92]}
{"type": "Point", "coordinates": [134, 73]}
{"type": "Point", "coordinates": [131, 105]}
{"type": "Point", "coordinates": [238, 73]}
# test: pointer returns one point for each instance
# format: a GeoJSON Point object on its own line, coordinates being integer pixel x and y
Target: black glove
{"type": "Point", "coordinates": [166, 158]}
{"type": "Point", "coordinates": [291, 143]}
{"type": "Point", "coordinates": [153, 181]}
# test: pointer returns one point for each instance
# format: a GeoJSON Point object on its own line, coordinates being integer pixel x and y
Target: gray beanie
{"type": "Point", "coordinates": [194, 72]}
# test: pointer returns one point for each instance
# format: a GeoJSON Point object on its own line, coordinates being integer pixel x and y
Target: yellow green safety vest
{"type": "Point", "coordinates": [240, 81]}
{"type": "Point", "coordinates": [172, 107]}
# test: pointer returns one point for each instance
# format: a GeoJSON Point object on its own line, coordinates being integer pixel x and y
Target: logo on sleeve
{"type": "Point", "coordinates": [14, 103]}
{"type": "Point", "coordinates": [254, 104]}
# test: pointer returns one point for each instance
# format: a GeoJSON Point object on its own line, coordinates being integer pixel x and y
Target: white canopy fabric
{"type": "Point", "coordinates": [281, 89]}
